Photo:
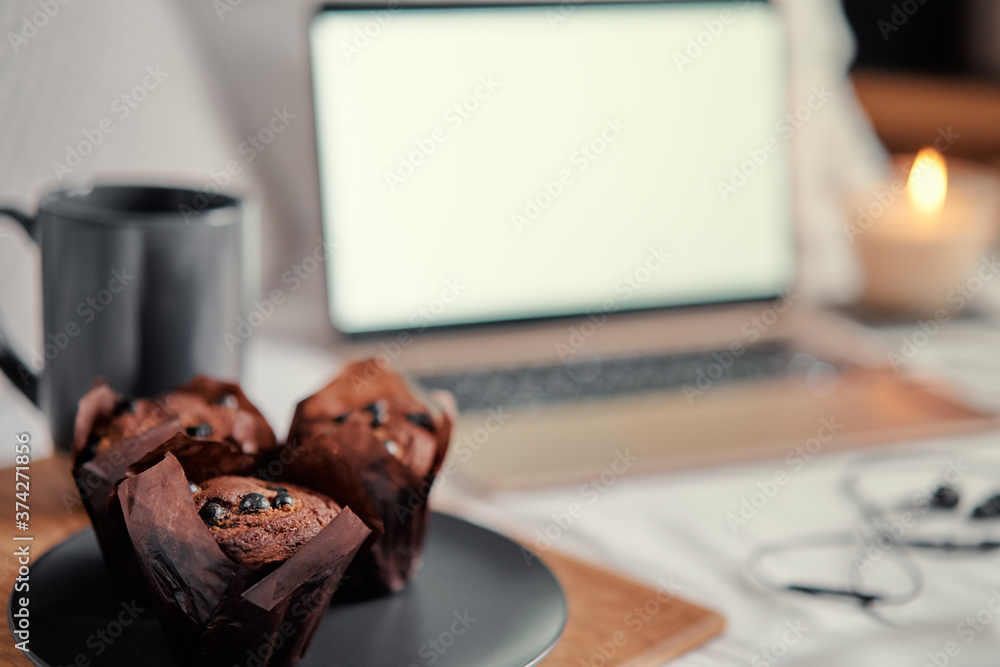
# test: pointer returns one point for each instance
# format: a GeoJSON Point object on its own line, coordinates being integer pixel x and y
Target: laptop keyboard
{"type": "Point", "coordinates": [599, 377]}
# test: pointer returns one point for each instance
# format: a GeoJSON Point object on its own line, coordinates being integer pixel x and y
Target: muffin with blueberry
{"type": "Point", "coordinates": [258, 523]}
{"type": "Point", "coordinates": [113, 431]}
{"type": "Point", "coordinates": [236, 566]}
{"type": "Point", "coordinates": [395, 439]}
{"type": "Point", "coordinates": [203, 408]}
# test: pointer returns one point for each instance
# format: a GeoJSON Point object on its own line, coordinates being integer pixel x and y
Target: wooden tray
{"type": "Point", "coordinates": [618, 621]}
{"type": "Point", "coordinates": [599, 601]}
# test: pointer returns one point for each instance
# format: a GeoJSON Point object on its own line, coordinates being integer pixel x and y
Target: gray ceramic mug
{"type": "Point", "coordinates": [139, 286]}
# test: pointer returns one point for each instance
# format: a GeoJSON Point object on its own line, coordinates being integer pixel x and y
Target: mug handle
{"type": "Point", "coordinates": [19, 373]}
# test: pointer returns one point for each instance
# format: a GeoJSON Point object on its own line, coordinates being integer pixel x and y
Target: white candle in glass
{"type": "Point", "coordinates": [922, 234]}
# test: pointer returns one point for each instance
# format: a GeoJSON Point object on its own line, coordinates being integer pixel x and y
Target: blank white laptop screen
{"type": "Point", "coordinates": [482, 164]}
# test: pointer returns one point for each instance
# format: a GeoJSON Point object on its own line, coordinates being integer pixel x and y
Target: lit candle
{"type": "Point", "coordinates": [927, 186]}
{"type": "Point", "coordinates": [922, 234]}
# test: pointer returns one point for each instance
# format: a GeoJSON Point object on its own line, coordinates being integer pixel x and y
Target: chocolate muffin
{"type": "Point", "coordinates": [128, 419]}
{"type": "Point", "coordinates": [371, 433]}
{"type": "Point", "coordinates": [258, 523]}
{"type": "Point", "coordinates": [374, 415]}
{"type": "Point", "coordinates": [113, 431]}
{"type": "Point", "coordinates": [395, 441]}
{"type": "Point", "coordinates": [239, 570]}
{"type": "Point", "coordinates": [204, 408]}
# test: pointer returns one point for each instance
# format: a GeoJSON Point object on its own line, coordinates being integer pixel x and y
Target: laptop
{"type": "Point", "coordinates": [577, 218]}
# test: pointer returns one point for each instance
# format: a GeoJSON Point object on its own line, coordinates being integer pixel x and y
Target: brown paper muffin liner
{"type": "Point", "coordinates": [397, 494]}
{"type": "Point", "coordinates": [215, 612]}
{"type": "Point", "coordinates": [96, 476]}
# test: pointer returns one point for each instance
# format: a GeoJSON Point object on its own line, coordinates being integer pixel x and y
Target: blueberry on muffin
{"type": "Point", "coordinates": [375, 420]}
{"type": "Point", "coordinates": [239, 570]}
{"type": "Point", "coordinates": [258, 523]}
{"type": "Point", "coordinates": [395, 440]}
{"type": "Point", "coordinates": [204, 408]}
{"type": "Point", "coordinates": [113, 431]}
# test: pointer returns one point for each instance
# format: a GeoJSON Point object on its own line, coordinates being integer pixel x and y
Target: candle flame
{"type": "Point", "coordinates": [927, 186]}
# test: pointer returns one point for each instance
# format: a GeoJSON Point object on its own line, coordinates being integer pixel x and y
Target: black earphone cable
{"type": "Point", "coordinates": [875, 521]}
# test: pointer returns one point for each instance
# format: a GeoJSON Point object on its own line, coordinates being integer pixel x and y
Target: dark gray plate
{"type": "Point", "coordinates": [475, 602]}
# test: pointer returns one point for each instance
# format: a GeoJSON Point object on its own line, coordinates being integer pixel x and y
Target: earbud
{"type": "Point", "coordinates": [989, 509]}
{"type": "Point", "coordinates": [944, 497]}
